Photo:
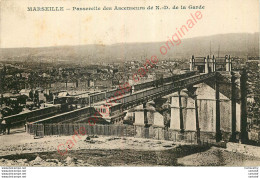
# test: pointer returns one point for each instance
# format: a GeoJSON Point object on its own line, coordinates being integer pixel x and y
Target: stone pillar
{"type": "Point", "coordinates": [218, 132]}
{"type": "Point", "coordinates": [175, 113]}
{"type": "Point", "coordinates": [184, 114]}
{"type": "Point", "coordinates": [233, 107]}
{"type": "Point", "coordinates": [183, 104]}
{"type": "Point", "coordinates": [197, 119]}
{"type": "Point", "coordinates": [158, 120]}
{"type": "Point", "coordinates": [150, 110]}
{"type": "Point", "coordinates": [228, 63]}
{"type": "Point", "coordinates": [206, 61]}
{"type": "Point", "coordinates": [192, 63]}
{"type": "Point", "coordinates": [213, 64]}
{"type": "Point", "coordinates": [206, 107]}
{"type": "Point", "coordinates": [190, 122]}
{"type": "Point", "coordinates": [158, 126]}
{"type": "Point", "coordinates": [238, 103]}
{"type": "Point", "coordinates": [210, 63]}
{"type": "Point", "coordinates": [140, 117]}
{"type": "Point", "coordinates": [140, 120]}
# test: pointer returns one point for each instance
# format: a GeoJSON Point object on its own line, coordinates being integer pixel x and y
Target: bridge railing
{"type": "Point", "coordinates": [153, 93]}
{"type": "Point", "coordinates": [20, 119]}
{"type": "Point", "coordinates": [142, 86]}
{"type": "Point", "coordinates": [133, 99]}
{"type": "Point", "coordinates": [65, 116]}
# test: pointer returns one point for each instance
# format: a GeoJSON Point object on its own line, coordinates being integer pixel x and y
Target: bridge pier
{"type": "Point", "coordinates": [148, 122]}
{"type": "Point", "coordinates": [158, 120]}
{"type": "Point", "coordinates": [141, 120]}
{"type": "Point", "coordinates": [228, 63]}
{"type": "Point", "coordinates": [140, 115]}
{"type": "Point", "coordinates": [219, 105]}
{"type": "Point", "coordinates": [192, 107]}
{"type": "Point", "coordinates": [157, 129]}
{"type": "Point", "coordinates": [176, 123]}
{"type": "Point", "coordinates": [183, 116]}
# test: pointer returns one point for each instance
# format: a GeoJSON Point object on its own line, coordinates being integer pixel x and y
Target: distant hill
{"type": "Point", "coordinates": [241, 45]}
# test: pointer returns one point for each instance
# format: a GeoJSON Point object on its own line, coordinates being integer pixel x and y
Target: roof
{"type": "Point", "coordinates": [7, 95]}
{"type": "Point", "coordinates": [25, 91]}
{"type": "Point", "coordinates": [62, 94]}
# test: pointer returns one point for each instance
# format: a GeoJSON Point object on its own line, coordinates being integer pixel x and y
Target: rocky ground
{"type": "Point", "coordinates": [219, 157]}
{"type": "Point", "coordinates": [21, 149]}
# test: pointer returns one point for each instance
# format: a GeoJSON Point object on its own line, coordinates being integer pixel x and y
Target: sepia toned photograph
{"type": "Point", "coordinates": [98, 83]}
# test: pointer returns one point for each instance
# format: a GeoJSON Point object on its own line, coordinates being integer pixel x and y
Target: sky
{"type": "Point", "coordinates": [22, 28]}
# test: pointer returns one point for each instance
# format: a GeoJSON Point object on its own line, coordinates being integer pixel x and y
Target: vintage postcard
{"type": "Point", "coordinates": [129, 83]}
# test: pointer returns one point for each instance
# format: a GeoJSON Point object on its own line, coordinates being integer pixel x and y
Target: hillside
{"type": "Point", "coordinates": [234, 44]}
